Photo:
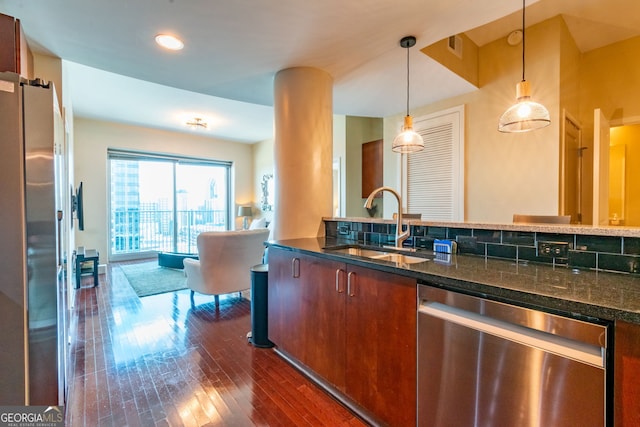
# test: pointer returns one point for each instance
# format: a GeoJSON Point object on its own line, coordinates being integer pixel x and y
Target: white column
{"type": "Point", "coordinates": [303, 152]}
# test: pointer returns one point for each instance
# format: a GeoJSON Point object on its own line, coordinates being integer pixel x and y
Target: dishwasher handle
{"type": "Point", "coordinates": [576, 350]}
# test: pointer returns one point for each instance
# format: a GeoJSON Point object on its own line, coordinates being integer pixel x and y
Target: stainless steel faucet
{"type": "Point", "coordinates": [401, 236]}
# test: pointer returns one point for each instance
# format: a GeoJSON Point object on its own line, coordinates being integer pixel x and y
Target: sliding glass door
{"type": "Point", "coordinates": [202, 198]}
{"type": "Point", "coordinates": [160, 203]}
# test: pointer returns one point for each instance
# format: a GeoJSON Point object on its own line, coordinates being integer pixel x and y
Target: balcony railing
{"type": "Point", "coordinates": [153, 230]}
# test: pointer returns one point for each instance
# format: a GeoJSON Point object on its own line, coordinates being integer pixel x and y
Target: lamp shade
{"type": "Point", "coordinates": [407, 141]}
{"type": "Point", "coordinates": [244, 211]}
{"type": "Point", "coordinates": [526, 114]}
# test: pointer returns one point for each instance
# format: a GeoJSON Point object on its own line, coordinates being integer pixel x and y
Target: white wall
{"type": "Point", "coordinates": [92, 138]}
{"type": "Point", "coordinates": [359, 130]}
{"type": "Point", "coordinates": [262, 165]}
{"type": "Point", "coordinates": [340, 153]}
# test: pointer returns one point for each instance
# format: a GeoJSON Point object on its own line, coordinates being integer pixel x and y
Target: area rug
{"type": "Point", "coordinates": [148, 278]}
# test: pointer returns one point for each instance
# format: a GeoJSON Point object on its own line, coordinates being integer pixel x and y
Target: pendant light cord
{"type": "Point", "coordinates": [408, 80]}
{"type": "Point", "coordinates": [523, 38]}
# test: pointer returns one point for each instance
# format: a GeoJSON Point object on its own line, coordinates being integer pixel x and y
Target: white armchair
{"type": "Point", "coordinates": [225, 260]}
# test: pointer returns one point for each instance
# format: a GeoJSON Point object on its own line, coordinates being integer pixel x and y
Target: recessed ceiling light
{"type": "Point", "coordinates": [169, 42]}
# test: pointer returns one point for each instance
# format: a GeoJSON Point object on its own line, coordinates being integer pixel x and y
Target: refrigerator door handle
{"type": "Point", "coordinates": [59, 254]}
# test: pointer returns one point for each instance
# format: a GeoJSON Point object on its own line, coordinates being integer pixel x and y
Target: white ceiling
{"type": "Point", "coordinates": [234, 48]}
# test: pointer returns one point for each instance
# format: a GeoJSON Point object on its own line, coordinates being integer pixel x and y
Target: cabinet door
{"type": "Point", "coordinates": [371, 167]}
{"type": "Point", "coordinates": [15, 55]}
{"type": "Point", "coordinates": [381, 344]}
{"type": "Point", "coordinates": [323, 306]}
{"type": "Point", "coordinates": [627, 374]}
{"type": "Point", "coordinates": [284, 301]}
{"type": "Point", "coordinates": [306, 311]}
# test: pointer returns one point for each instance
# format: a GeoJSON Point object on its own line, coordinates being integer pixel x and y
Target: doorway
{"type": "Point", "coordinates": [624, 171]}
{"type": "Point", "coordinates": [572, 178]}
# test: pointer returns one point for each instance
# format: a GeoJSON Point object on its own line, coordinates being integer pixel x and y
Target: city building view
{"type": "Point", "coordinates": [159, 205]}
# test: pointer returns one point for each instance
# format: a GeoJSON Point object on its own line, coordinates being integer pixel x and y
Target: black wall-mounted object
{"type": "Point", "coordinates": [79, 207]}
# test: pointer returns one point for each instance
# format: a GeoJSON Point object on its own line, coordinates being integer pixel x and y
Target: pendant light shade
{"type": "Point", "coordinates": [526, 114]}
{"type": "Point", "coordinates": [407, 141]}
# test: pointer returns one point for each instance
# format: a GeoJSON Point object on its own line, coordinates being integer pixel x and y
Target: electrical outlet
{"type": "Point", "coordinates": [553, 249]}
{"type": "Point", "coordinates": [343, 229]}
{"type": "Point", "coordinates": [467, 243]}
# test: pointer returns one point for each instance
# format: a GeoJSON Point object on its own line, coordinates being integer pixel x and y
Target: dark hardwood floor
{"type": "Point", "coordinates": [156, 361]}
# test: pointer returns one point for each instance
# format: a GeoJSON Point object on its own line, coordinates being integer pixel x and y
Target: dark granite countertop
{"type": "Point", "coordinates": [603, 230]}
{"type": "Point", "coordinates": [581, 293]}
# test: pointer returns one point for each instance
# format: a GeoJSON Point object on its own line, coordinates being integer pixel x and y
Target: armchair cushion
{"type": "Point", "coordinates": [225, 260]}
{"type": "Point", "coordinates": [258, 223]}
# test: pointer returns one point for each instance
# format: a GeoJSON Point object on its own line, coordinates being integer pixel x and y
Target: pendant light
{"type": "Point", "coordinates": [407, 141]}
{"type": "Point", "coordinates": [525, 115]}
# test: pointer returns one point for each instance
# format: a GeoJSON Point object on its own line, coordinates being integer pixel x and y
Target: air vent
{"type": "Point", "coordinates": [455, 45]}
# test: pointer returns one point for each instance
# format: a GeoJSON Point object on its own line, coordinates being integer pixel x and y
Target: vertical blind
{"type": "Point", "coordinates": [434, 176]}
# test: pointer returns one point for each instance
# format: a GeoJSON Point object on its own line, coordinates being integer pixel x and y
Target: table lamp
{"type": "Point", "coordinates": [245, 213]}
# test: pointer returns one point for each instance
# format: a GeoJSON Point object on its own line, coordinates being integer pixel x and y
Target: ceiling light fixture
{"type": "Point", "coordinates": [407, 141]}
{"type": "Point", "coordinates": [169, 42]}
{"type": "Point", "coordinates": [197, 123]}
{"type": "Point", "coordinates": [525, 114]}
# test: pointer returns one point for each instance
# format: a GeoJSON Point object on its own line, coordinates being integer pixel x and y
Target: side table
{"type": "Point", "coordinates": [86, 257]}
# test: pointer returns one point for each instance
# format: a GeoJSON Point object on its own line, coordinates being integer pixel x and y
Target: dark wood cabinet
{"type": "Point", "coordinates": [355, 328]}
{"type": "Point", "coordinates": [306, 313]}
{"type": "Point", "coordinates": [371, 167]}
{"type": "Point", "coordinates": [324, 318]}
{"type": "Point", "coordinates": [381, 344]}
{"type": "Point", "coordinates": [627, 374]}
{"type": "Point", "coordinates": [284, 300]}
{"type": "Point", "coordinates": [15, 55]}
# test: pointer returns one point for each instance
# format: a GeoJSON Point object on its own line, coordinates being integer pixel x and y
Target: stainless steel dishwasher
{"type": "Point", "coordinates": [486, 363]}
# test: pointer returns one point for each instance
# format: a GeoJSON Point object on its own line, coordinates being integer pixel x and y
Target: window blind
{"type": "Point", "coordinates": [433, 176]}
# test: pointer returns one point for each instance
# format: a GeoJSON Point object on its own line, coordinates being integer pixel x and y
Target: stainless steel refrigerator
{"type": "Point", "coordinates": [32, 304]}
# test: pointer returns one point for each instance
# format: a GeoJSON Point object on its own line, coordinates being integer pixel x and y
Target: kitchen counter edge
{"type": "Point", "coordinates": [578, 293]}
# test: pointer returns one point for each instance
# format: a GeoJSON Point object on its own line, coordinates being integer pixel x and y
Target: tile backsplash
{"type": "Point", "coordinates": [607, 253]}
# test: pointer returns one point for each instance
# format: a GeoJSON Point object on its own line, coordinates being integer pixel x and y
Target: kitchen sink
{"type": "Point", "coordinates": [357, 251]}
{"type": "Point", "coordinates": [397, 258]}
